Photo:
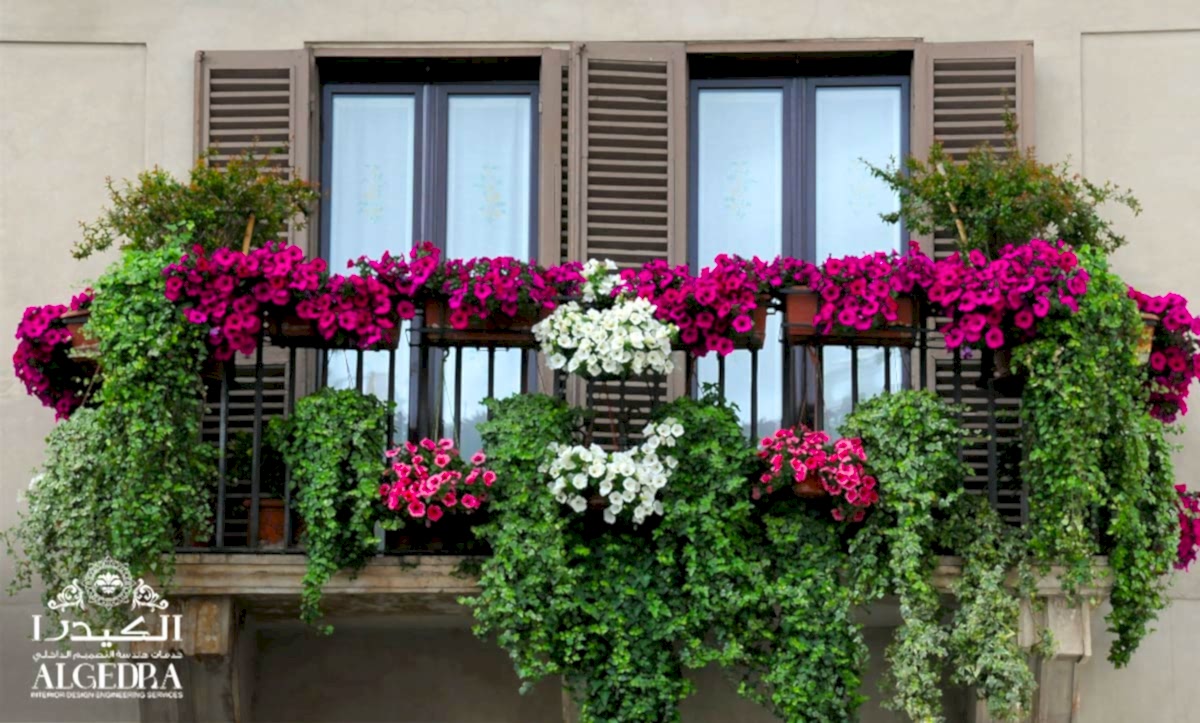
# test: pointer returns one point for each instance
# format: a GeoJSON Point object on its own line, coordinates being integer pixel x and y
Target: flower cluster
{"type": "Point", "coordinates": [358, 310]}
{"type": "Point", "coordinates": [407, 277]}
{"type": "Point", "coordinates": [1189, 527]}
{"type": "Point", "coordinates": [479, 288]}
{"type": "Point", "coordinates": [1174, 356]}
{"type": "Point", "coordinates": [714, 309]}
{"type": "Point", "coordinates": [859, 293]}
{"type": "Point", "coordinates": [607, 343]}
{"type": "Point", "coordinates": [432, 479]}
{"type": "Point", "coordinates": [600, 282]}
{"type": "Point", "coordinates": [43, 362]}
{"type": "Point", "coordinates": [228, 290]}
{"type": "Point", "coordinates": [627, 481]}
{"type": "Point", "coordinates": [999, 301]}
{"type": "Point", "coordinates": [795, 456]}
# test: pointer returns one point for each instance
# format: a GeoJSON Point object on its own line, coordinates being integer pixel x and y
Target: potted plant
{"type": "Point", "coordinates": [487, 302]}
{"type": "Point", "coordinates": [870, 300]}
{"type": "Point", "coordinates": [811, 466]}
{"type": "Point", "coordinates": [614, 343]}
{"type": "Point", "coordinates": [48, 360]}
{"type": "Point", "coordinates": [435, 489]}
{"type": "Point", "coordinates": [619, 485]}
{"type": "Point", "coordinates": [1189, 527]}
{"type": "Point", "coordinates": [239, 462]}
{"type": "Point", "coordinates": [720, 309]}
{"type": "Point", "coordinates": [1173, 352]}
{"type": "Point", "coordinates": [998, 303]}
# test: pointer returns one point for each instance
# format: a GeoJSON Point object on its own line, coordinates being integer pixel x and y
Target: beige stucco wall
{"type": "Point", "coordinates": [91, 89]}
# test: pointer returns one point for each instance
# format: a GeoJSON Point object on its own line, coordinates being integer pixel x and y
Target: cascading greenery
{"type": "Point", "coordinates": [1098, 466]}
{"type": "Point", "coordinates": [124, 478]}
{"type": "Point", "coordinates": [333, 443]}
{"type": "Point", "coordinates": [619, 613]}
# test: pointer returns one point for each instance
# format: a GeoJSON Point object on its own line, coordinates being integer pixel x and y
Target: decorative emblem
{"type": "Point", "coordinates": [108, 583]}
{"type": "Point", "coordinates": [70, 597]}
{"type": "Point", "coordinates": [144, 596]}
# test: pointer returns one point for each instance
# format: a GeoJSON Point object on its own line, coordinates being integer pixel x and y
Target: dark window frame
{"type": "Point", "coordinates": [798, 185]}
{"type": "Point", "coordinates": [430, 178]}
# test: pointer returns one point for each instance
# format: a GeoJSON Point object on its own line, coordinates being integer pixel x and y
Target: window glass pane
{"type": "Point", "coordinates": [371, 211]}
{"type": "Point", "coordinates": [855, 126]}
{"type": "Point", "coordinates": [488, 186]}
{"type": "Point", "coordinates": [739, 179]}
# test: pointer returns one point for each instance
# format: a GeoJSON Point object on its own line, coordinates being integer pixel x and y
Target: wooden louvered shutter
{"type": "Point", "coordinates": [553, 103]}
{"type": "Point", "coordinates": [631, 120]}
{"type": "Point", "coordinates": [627, 184]}
{"type": "Point", "coordinates": [961, 93]}
{"type": "Point", "coordinates": [256, 99]}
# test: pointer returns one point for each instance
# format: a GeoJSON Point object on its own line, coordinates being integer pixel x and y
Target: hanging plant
{"type": "Point", "coordinates": [43, 360]}
{"type": "Point", "coordinates": [611, 343]}
{"type": "Point", "coordinates": [631, 478]}
{"type": "Point", "coordinates": [1189, 527]}
{"type": "Point", "coordinates": [813, 466]}
{"type": "Point", "coordinates": [332, 444]}
{"type": "Point", "coordinates": [1174, 353]}
{"type": "Point", "coordinates": [432, 480]}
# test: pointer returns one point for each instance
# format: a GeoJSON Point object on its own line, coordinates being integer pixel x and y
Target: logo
{"type": "Point", "coordinates": [145, 670]}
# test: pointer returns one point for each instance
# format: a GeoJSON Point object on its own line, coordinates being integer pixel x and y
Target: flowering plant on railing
{"type": "Point", "coordinates": [228, 290]}
{"type": "Point", "coordinates": [599, 281]}
{"type": "Point", "coordinates": [356, 310]}
{"type": "Point", "coordinates": [1000, 301]}
{"type": "Point", "coordinates": [505, 286]}
{"type": "Point", "coordinates": [408, 278]}
{"type": "Point", "coordinates": [433, 480]}
{"type": "Point", "coordinates": [42, 360]}
{"type": "Point", "coordinates": [808, 462]}
{"type": "Point", "coordinates": [1189, 527]}
{"type": "Point", "coordinates": [712, 308]}
{"type": "Point", "coordinates": [607, 343]}
{"type": "Point", "coordinates": [621, 482]}
{"type": "Point", "coordinates": [1174, 356]}
{"type": "Point", "coordinates": [859, 293]}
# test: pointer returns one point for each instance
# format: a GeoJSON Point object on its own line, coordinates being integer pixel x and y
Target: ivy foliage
{"type": "Point", "coordinates": [124, 479]}
{"type": "Point", "coordinates": [619, 612]}
{"type": "Point", "coordinates": [333, 443]}
{"type": "Point", "coordinates": [65, 528]}
{"type": "Point", "coordinates": [807, 664]}
{"type": "Point", "coordinates": [912, 441]}
{"type": "Point", "coordinates": [1097, 466]}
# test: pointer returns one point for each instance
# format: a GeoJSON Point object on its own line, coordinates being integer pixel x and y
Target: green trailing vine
{"type": "Point", "coordinates": [912, 441]}
{"type": "Point", "coordinates": [132, 473]}
{"type": "Point", "coordinates": [807, 665]}
{"type": "Point", "coordinates": [619, 612]}
{"type": "Point", "coordinates": [333, 443]}
{"type": "Point", "coordinates": [1085, 402]}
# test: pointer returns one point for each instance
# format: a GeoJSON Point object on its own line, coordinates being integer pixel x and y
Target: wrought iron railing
{"type": "Point", "coordinates": [814, 383]}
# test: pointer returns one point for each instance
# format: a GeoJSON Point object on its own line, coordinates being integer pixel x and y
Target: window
{"type": "Point", "coordinates": [450, 162]}
{"type": "Point", "coordinates": [777, 167]}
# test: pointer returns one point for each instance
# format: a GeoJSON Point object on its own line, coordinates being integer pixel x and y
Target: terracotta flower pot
{"type": "Point", "coordinates": [270, 521]}
{"type": "Point", "coordinates": [801, 305]}
{"type": "Point", "coordinates": [997, 367]}
{"type": "Point", "coordinates": [809, 488]}
{"type": "Point", "coordinates": [74, 322]}
{"type": "Point", "coordinates": [496, 330]}
{"type": "Point", "coordinates": [289, 330]}
{"type": "Point", "coordinates": [1145, 342]}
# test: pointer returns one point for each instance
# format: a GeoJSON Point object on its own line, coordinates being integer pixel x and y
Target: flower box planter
{"type": "Point", "coordinates": [451, 534]}
{"type": "Point", "coordinates": [757, 335]}
{"type": "Point", "coordinates": [81, 341]}
{"type": "Point", "coordinates": [290, 331]}
{"type": "Point", "coordinates": [1145, 342]}
{"type": "Point", "coordinates": [497, 330]}
{"type": "Point", "coordinates": [809, 488]}
{"type": "Point", "coordinates": [801, 305]}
